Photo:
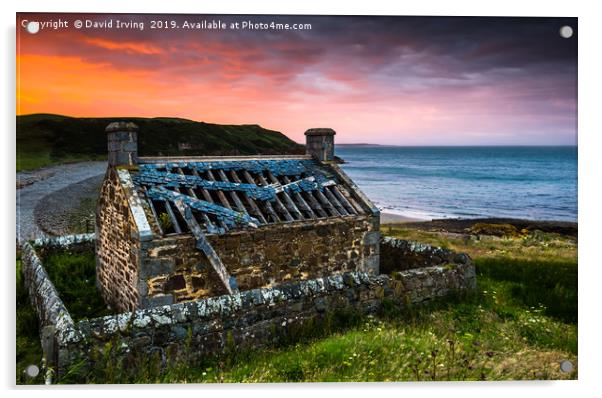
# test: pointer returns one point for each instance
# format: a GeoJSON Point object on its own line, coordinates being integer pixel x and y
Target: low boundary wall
{"type": "Point", "coordinates": [211, 326]}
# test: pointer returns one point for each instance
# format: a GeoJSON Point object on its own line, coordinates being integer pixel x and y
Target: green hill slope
{"type": "Point", "coordinates": [44, 139]}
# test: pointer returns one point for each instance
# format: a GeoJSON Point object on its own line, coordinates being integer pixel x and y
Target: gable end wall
{"type": "Point", "coordinates": [117, 245]}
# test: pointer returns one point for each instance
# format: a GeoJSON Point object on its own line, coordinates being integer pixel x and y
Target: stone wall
{"type": "Point", "coordinates": [42, 293]}
{"type": "Point", "coordinates": [399, 255]}
{"type": "Point", "coordinates": [53, 317]}
{"type": "Point", "coordinates": [173, 270]}
{"type": "Point", "coordinates": [117, 245]}
{"type": "Point", "coordinates": [257, 317]}
{"type": "Point", "coordinates": [211, 326]}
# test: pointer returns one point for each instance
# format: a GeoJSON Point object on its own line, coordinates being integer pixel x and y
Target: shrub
{"type": "Point", "coordinates": [494, 229]}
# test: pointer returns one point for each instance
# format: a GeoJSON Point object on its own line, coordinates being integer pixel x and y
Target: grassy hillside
{"type": "Point", "coordinates": [44, 139]}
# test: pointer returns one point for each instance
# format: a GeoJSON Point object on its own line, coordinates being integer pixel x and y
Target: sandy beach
{"type": "Point", "coordinates": [391, 218]}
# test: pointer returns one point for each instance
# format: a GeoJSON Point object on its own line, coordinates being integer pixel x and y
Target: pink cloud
{"type": "Point", "coordinates": [379, 85]}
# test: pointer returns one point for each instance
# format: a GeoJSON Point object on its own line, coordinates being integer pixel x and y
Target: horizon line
{"type": "Point", "coordinates": [456, 145]}
{"type": "Point", "coordinates": [287, 135]}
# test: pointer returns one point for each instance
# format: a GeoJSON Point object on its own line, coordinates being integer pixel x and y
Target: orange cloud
{"type": "Point", "coordinates": [127, 46]}
{"type": "Point", "coordinates": [70, 86]}
{"type": "Point", "coordinates": [370, 88]}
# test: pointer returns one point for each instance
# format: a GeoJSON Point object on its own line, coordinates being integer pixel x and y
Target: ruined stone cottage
{"type": "Point", "coordinates": [175, 229]}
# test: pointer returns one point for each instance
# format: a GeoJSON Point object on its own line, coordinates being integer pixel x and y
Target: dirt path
{"type": "Point", "coordinates": [36, 185]}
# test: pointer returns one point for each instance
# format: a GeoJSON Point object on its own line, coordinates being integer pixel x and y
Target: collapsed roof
{"type": "Point", "coordinates": [227, 194]}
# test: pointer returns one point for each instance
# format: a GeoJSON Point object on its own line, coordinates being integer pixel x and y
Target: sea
{"type": "Point", "coordinates": [526, 182]}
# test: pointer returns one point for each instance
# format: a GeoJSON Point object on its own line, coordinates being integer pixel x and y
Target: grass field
{"type": "Point", "coordinates": [27, 160]}
{"type": "Point", "coordinates": [519, 325]}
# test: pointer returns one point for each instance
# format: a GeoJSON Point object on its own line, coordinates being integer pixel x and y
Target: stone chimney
{"type": "Point", "coordinates": [123, 143]}
{"type": "Point", "coordinates": [319, 142]}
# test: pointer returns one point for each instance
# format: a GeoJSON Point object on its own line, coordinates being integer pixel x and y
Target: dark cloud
{"type": "Point", "coordinates": [481, 43]}
{"type": "Point", "coordinates": [518, 66]}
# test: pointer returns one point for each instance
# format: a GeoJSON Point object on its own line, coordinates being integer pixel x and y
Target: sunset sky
{"type": "Point", "coordinates": [386, 80]}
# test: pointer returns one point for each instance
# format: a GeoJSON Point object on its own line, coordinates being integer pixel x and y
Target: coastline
{"type": "Point", "coordinates": [392, 218]}
{"type": "Point", "coordinates": [418, 184]}
{"type": "Point", "coordinates": [460, 225]}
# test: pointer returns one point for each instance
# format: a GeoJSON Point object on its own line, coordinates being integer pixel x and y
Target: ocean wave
{"type": "Point", "coordinates": [499, 182]}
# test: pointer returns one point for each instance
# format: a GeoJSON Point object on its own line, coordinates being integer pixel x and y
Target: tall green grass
{"type": "Point", "coordinates": [551, 285]}
{"type": "Point", "coordinates": [74, 276]}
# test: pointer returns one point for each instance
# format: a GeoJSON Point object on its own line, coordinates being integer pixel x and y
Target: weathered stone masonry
{"type": "Point", "coordinates": [320, 143]}
{"type": "Point", "coordinates": [177, 229]}
{"type": "Point", "coordinates": [399, 255]}
{"type": "Point", "coordinates": [264, 257]}
{"type": "Point", "coordinates": [247, 319]}
{"type": "Point", "coordinates": [117, 245]}
{"type": "Point", "coordinates": [53, 317]}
